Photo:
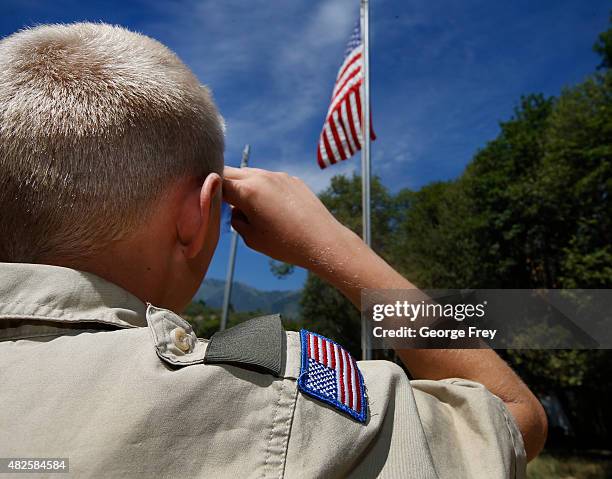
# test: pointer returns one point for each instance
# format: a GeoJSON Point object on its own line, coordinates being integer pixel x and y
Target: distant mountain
{"type": "Point", "coordinates": [247, 298]}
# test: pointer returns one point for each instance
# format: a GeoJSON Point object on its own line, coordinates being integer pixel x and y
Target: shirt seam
{"type": "Point", "coordinates": [517, 445]}
{"type": "Point", "coordinates": [57, 335]}
{"type": "Point", "coordinates": [289, 425]}
{"type": "Point", "coordinates": [55, 314]}
{"type": "Point", "coordinates": [272, 428]}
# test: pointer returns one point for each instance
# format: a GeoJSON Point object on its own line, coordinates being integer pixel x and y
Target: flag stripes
{"type": "Point", "coordinates": [348, 379]}
{"type": "Point", "coordinates": [341, 136]}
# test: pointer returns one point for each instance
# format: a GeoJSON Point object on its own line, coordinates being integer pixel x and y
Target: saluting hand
{"type": "Point", "coordinates": [279, 216]}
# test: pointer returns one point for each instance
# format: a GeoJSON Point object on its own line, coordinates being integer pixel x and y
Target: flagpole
{"type": "Point", "coordinates": [229, 280]}
{"type": "Point", "coordinates": [365, 152]}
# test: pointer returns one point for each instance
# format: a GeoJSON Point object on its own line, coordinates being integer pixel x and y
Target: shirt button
{"type": "Point", "coordinates": [181, 339]}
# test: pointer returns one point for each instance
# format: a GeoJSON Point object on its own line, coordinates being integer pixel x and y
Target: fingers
{"type": "Point", "coordinates": [240, 184]}
{"type": "Point", "coordinates": [242, 173]}
{"type": "Point", "coordinates": [252, 189]}
{"type": "Point", "coordinates": [233, 192]}
{"type": "Point", "coordinates": [231, 173]}
{"type": "Point", "coordinates": [236, 183]}
{"type": "Point", "coordinates": [248, 172]}
{"type": "Point", "coordinates": [241, 224]}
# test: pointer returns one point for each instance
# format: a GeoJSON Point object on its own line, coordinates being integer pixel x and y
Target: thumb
{"type": "Point", "coordinates": [240, 223]}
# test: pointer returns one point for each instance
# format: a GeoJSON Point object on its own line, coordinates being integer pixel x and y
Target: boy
{"type": "Point", "coordinates": [111, 155]}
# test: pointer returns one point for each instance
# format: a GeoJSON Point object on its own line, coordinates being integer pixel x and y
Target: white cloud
{"type": "Point", "coordinates": [290, 50]}
{"type": "Point", "coordinates": [272, 66]}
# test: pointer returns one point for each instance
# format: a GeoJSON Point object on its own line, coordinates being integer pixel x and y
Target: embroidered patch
{"type": "Point", "coordinates": [329, 373]}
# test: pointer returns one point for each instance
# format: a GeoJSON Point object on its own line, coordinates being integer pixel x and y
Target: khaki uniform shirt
{"type": "Point", "coordinates": [90, 373]}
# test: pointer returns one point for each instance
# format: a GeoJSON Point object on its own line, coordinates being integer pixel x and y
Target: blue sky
{"type": "Point", "coordinates": [443, 74]}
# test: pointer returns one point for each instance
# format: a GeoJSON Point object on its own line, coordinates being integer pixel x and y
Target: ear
{"type": "Point", "coordinates": [196, 213]}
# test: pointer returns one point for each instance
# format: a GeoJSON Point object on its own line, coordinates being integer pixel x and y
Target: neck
{"type": "Point", "coordinates": [136, 264]}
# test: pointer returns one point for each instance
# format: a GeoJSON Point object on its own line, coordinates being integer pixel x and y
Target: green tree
{"type": "Point", "coordinates": [433, 244]}
{"type": "Point", "coordinates": [603, 47]}
{"type": "Point", "coordinates": [575, 182]}
{"type": "Point", "coordinates": [512, 236]}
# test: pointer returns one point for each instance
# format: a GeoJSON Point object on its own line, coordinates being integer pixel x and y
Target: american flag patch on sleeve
{"type": "Point", "coordinates": [329, 373]}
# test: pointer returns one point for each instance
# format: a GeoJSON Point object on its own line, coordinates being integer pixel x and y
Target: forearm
{"type": "Point", "coordinates": [350, 266]}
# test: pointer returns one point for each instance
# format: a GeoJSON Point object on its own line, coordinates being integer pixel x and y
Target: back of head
{"type": "Point", "coordinates": [95, 123]}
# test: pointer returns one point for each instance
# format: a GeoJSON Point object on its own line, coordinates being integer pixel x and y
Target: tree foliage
{"type": "Point", "coordinates": [603, 47]}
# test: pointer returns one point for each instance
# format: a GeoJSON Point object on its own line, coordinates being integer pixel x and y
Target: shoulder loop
{"type": "Point", "coordinates": [258, 343]}
{"type": "Point", "coordinates": [255, 344]}
{"type": "Point", "coordinates": [174, 339]}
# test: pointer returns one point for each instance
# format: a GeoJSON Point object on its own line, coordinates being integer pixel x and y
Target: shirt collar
{"type": "Point", "coordinates": [37, 292]}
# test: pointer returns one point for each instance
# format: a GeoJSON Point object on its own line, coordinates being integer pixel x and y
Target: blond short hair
{"type": "Point", "coordinates": [95, 123]}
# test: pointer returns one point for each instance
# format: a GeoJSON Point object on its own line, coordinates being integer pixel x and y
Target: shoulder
{"type": "Point", "coordinates": [359, 417]}
{"type": "Point", "coordinates": [481, 438]}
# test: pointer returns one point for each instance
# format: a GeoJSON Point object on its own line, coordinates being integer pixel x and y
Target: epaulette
{"type": "Point", "coordinates": [255, 344]}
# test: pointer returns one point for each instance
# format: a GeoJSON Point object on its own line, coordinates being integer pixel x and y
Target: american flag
{"type": "Point", "coordinates": [331, 374]}
{"type": "Point", "coordinates": [341, 137]}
